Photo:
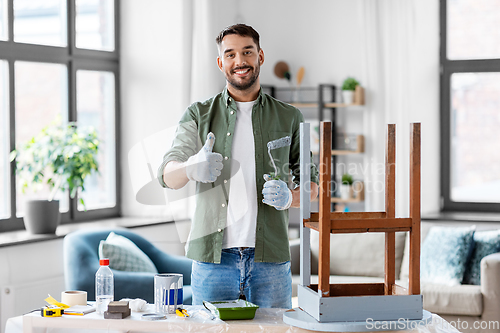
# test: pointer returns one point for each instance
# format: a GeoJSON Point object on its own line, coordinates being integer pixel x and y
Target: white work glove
{"type": "Point", "coordinates": [276, 193]}
{"type": "Point", "coordinates": [205, 166]}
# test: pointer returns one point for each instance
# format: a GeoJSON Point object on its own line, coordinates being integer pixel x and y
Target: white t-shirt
{"type": "Point", "coordinates": [242, 203]}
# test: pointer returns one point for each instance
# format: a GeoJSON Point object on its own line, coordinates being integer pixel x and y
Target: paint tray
{"type": "Point", "coordinates": [231, 310]}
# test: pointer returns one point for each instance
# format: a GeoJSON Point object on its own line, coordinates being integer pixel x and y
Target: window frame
{"type": "Point", "coordinates": [104, 67]}
{"type": "Point", "coordinates": [447, 69]}
{"type": "Point", "coordinates": [74, 59]}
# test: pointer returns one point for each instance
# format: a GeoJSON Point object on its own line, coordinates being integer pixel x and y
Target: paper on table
{"type": "Point", "coordinates": [79, 309]}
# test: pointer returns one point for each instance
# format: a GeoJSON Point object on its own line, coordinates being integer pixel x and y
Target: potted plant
{"type": "Point", "coordinates": [59, 158]}
{"type": "Point", "coordinates": [346, 191]}
{"type": "Point", "coordinates": [348, 88]}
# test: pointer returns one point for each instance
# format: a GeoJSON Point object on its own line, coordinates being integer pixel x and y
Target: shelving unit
{"type": "Point", "coordinates": [323, 98]}
{"type": "Point", "coordinates": [358, 197]}
{"type": "Point", "coordinates": [304, 105]}
{"type": "Point", "coordinates": [360, 148]}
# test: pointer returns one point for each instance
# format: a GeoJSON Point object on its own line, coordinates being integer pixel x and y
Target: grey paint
{"type": "Point", "coordinates": [308, 301]}
{"type": "Point", "coordinates": [305, 205]}
{"type": "Point", "coordinates": [360, 308]}
{"type": "Point", "coordinates": [305, 171]}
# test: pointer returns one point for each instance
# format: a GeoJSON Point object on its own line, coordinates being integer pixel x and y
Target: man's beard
{"type": "Point", "coordinates": [245, 85]}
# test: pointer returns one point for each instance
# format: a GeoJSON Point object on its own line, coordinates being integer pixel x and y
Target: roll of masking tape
{"type": "Point", "coordinates": [74, 297]}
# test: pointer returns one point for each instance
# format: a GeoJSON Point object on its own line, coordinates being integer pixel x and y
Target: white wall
{"type": "Point", "coordinates": [151, 83]}
{"type": "Point", "coordinates": [320, 35]}
{"type": "Point", "coordinates": [323, 36]}
{"type": "Point", "coordinates": [427, 100]}
{"type": "Point", "coordinates": [326, 38]}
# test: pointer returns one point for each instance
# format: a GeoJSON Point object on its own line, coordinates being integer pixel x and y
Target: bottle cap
{"type": "Point", "coordinates": [104, 262]}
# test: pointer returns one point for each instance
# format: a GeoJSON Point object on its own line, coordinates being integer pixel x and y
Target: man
{"type": "Point", "coordinates": [239, 233]}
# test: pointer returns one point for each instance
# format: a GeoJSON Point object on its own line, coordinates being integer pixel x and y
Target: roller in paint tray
{"type": "Point", "coordinates": [275, 144]}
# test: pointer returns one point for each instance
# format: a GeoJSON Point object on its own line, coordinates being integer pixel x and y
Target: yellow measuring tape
{"type": "Point", "coordinates": [50, 311]}
{"type": "Point", "coordinates": [54, 309]}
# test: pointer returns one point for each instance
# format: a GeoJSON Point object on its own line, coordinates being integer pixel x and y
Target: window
{"type": "Point", "coordinates": [40, 23]}
{"type": "Point", "coordinates": [4, 142]}
{"type": "Point", "coordinates": [95, 24]}
{"type": "Point", "coordinates": [41, 96]}
{"type": "Point", "coordinates": [59, 61]}
{"type": "Point", "coordinates": [470, 105]}
{"type": "Point", "coordinates": [95, 107]}
{"type": "Point", "coordinates": [3, 19]}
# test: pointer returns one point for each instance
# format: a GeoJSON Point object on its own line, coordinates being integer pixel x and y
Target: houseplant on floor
{"type": "Point", "coordinates": [348, 87]}
{"type": "Point", "coordinates": [59, 157]}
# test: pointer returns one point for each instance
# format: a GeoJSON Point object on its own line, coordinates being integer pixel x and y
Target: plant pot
{"type": "Point", "coordinates": [346, 192]}
{"type": "Point", "coordinates": [42, 216]}
{"type": "Point", "coordinates": [348, 96]}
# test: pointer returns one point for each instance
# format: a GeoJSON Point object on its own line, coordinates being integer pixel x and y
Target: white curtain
{"type": "Point", "coordinates": [164, 71]}
{"type": "Point", "coordinates": [389, 41]}
{"type": "Point", "coordinates": [200, 26]}
{"type": "Point", "coordinates": [201, 81]}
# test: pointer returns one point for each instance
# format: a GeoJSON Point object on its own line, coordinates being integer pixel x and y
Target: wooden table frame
{"type": "Point", "coordinates": [326, 222]}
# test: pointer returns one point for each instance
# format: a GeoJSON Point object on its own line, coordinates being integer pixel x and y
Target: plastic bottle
{"type": "Point", "coordinates": [104, 286]}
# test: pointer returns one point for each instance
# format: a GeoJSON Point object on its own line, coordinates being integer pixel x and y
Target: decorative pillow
{"type": "Point", "coordinates": [124, 255]}
{"type": "Point", "coordinates": [485, 243]}
{"type": "Point", "coordinates": [444, 255]}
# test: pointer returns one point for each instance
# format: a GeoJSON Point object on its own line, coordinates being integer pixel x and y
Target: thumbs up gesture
{"type": "Point", "coordinates": [205, 166]}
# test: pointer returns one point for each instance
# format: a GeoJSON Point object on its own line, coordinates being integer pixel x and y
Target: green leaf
{"type": "Point", "coordinates": [59, 150]}
{"type": "Point", "coordinates": [274, 177]}
{"type": "Point", "coordinates": [83, 204]}
{"type": "Point", "coordinates": [350, 84]}
{"type": "Point", "coordinates": [347, 179]}
{"type": "Point", "coordinates": [12, 155]}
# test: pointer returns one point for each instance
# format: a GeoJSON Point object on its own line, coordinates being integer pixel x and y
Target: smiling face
{"type": "Point", "coordinates": [240, 62]}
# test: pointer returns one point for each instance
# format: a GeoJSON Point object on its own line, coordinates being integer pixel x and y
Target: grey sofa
{"type": "Point", "coordinates": [359, 258]}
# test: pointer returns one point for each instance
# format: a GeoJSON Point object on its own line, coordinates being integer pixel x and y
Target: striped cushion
{"type": "Point", "coordinates": [124, 255]}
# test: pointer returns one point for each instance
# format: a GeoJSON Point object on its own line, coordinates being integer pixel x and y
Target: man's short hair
{"type": "Point", "coordinates": [239, 29]}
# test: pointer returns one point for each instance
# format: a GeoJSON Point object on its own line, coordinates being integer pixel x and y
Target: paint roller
{"type": "Point", "coordinates": [275, 144]}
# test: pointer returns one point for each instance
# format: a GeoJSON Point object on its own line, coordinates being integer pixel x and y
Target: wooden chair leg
{"type": "Point", "coordinates": [414, 283]}
{"type": "Point", "coordinates": [390, 208]}
{"type": "Point", "coordinates": [325, 173]}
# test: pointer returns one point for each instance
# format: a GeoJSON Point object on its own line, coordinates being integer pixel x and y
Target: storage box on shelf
{"type": "Point", "coordinates": [323, 98]}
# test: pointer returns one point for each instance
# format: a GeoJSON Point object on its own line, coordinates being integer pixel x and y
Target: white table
{"type": "Point", "coordinates": [266, 320]}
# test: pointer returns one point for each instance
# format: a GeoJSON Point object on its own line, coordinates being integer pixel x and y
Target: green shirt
{"type": "Point", "coordinates": [271, 120]}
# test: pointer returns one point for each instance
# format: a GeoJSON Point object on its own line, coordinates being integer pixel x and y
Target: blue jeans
{"type": "Point", "coordinates": [267, 284]}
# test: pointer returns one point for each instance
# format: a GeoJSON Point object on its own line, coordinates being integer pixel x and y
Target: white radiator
{"type": "Point", "coordinates": [19, 299]}
{"type": "Point", "coordinates": [28, 273]}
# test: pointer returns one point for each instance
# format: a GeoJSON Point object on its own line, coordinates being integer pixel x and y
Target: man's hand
{"type": "Point", "coordinates": [276, 193]}
{"type": "Point", "coordinates": [205, 166]}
